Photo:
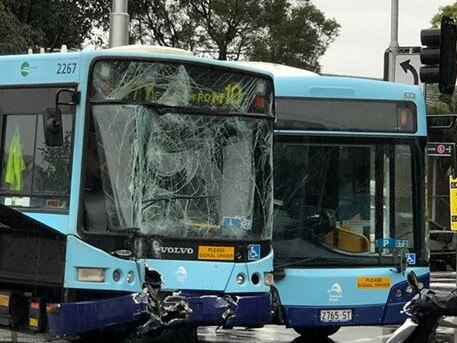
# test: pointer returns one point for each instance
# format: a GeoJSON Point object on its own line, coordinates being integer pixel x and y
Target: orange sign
{"type": "Point", "coordinates": [216, 253]}
{"type": "Point", "coordinates": [4, 300]}
{"type": "Point", "coordinates": [373, 282]}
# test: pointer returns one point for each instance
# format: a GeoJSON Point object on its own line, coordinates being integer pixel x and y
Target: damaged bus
{"type": "Point", "coordinates": [349, 190]}
{"type": "Point", "coordinates": [135, 192]}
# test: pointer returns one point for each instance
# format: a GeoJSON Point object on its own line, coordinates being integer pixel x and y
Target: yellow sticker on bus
{"type": "Point", "coordinates": [33, 322]}
{"type": "Point", "coordinates": [453, 202]}
{"type": "Point", "coordinates": [218, 253]}
{"type": "Point", "coordinates": [373, 282]}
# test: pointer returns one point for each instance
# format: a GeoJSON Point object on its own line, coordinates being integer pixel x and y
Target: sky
{"type": "Point", "coordinates": [365, 32]}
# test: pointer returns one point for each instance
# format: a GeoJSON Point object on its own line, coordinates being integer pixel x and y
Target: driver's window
{"type": "Point", "coordinates": [33, 174]}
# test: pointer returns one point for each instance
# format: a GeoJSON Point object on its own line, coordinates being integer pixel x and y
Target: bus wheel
{"type": "Point", "coordinates": [317, 332]}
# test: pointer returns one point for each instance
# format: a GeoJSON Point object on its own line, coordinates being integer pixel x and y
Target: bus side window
{"type": "Point", "coordinates": [33, 173]}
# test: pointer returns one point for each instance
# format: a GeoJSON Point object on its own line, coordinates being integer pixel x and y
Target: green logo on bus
{"type": "Point", "coordinates": [25, 69]}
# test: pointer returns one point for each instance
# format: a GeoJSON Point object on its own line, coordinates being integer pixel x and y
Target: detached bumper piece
{"type": "Point", "coordinates": [141, 310]}
{"type": "Point", "coordinates": [226, 310]}
{"type": "Point", "coordinates": [71, 319]}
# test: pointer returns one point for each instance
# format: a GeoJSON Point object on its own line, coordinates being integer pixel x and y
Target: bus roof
{"type": "Point", "coordinates": [152, 48]}
{"type": "Point", "coordinates": [279, 70]}
{"type": "Point", "coordinates": [44, 68]}
{"type": "Point", "coordinates": [295, 83]}
{"type": "Point", "coordinates": [291, 81]}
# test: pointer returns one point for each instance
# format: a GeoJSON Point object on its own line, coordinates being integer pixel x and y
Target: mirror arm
{"type": "Point", "coordinates": [75, 97]}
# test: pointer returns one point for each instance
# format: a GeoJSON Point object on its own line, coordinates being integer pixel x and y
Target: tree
{"type": "Point", "coordinates": [50, 24]}
{"type": "Point", "coordinates": [271, 30]}
{"type": "Point", "coordinates": [14, 36]}
{"type": "Point", "coordinates": [293, 35]}
{"type": "Point", "coordinates": [215, 26]}
{"type": "Point", "coordinates": [440, 103]}
{"type": "Point", "coordinates": [164, 23]}
{"type": "Point", "coordinates": [448, 11]}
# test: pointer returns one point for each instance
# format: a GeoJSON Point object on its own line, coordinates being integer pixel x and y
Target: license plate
{"type": "Point", "coordinates": [336, 316]}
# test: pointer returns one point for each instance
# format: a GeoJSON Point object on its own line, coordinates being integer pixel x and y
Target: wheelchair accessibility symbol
{"type": "Point", "coordinates": [410, 258]}
{"type": "Point", "coordinates": [253, 252]}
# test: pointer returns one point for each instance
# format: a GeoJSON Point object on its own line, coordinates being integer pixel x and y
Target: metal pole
{"type": "Point", "coordinates": [434, 173]}
{"type": "Point", "coordinates": [119, 24]}
{"type": "Point", "coordinates": [393, 48]}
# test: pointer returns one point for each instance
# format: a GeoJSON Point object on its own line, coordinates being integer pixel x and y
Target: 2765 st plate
{"type": "Point", "coordinates": [336, 316]}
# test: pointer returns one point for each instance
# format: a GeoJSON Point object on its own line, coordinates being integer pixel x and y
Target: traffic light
{"type": "Point", "coordinates": [439, 55]}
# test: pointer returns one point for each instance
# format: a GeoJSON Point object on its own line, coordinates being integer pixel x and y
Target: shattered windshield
{"type": "Point", "coordinates": [191, 86]}
{"type": "Point", "coordinates": [175, 172]}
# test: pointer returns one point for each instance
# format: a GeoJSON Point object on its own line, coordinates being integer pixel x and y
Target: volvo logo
{"type": "Point", "coordinates": [177, 250]}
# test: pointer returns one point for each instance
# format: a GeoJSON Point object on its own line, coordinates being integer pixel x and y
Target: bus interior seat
{"type": "Point", "coordinates": [348, 240]}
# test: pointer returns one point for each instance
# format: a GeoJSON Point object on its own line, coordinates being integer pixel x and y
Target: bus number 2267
{"type": "Point", "coordinates": [66, 68]}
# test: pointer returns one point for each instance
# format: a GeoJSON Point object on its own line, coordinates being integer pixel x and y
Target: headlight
{"type": "Point", "coordinates": [130, 277]}
{"type": "Point", "coordinates": [268, 279]}
{"type": "Point", "coordinates": [91, 274]}
{"type": "Point", "coordinates": [240, 279]}
{"type": "Point", "coordinates": [398, 293]}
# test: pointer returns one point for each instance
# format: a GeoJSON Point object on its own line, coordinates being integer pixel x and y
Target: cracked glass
{"type": "Point", "coordinates": [183, 150]}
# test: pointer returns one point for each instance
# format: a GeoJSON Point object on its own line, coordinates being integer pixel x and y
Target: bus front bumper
{"type": "Point", "coordinates": [75, 318]}
{"type": "Point", "coordinates": [139, 312]}
{"type": "Point", "coordinates": [145, 314]}
{"type": "Point", "coordinates": [249, 310]}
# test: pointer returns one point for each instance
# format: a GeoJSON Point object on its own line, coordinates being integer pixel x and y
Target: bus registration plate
{"type": "Point", "coordinates": [335, 316]}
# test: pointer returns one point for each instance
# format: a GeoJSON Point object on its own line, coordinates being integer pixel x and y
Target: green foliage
{"type": "Point", "coordinates": [297, 36]}
{"type": "Point", "coordinates": [164, 23]}
{"type": "Point", "coordinates": [448, 11]}
{"type": "Point", "coordinates": [15, 37]}
{"type": "Point", "coordinates": [50, 23]}
{"type": "Point", "coordinates": [270, 30]}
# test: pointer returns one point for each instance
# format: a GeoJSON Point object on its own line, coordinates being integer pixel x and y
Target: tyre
{"type": "Point", "coordinates": [317, 332]}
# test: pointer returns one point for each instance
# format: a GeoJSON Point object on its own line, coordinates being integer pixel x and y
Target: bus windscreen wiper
{"type": "Point", "coordinates": [133, 230]}
{"type": "Point", "coordinates": [149, 202]}
{"type": "Point", "coordinates": [298, 262]}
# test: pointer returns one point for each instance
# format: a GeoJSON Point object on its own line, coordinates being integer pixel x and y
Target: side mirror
{"type": "Point", "coordinates": [413, 281]}
{"type": "Point", "coordinates": [52, 125]}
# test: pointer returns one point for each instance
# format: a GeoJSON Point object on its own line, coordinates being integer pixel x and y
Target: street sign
{"type": "Point", "coordinates": [440, 149]}
{"type": "Point", "coordinates": [407, 67]}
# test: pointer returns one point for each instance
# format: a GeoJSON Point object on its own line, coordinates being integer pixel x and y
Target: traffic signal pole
{"type": "Point", "coordinates": [393, 47]}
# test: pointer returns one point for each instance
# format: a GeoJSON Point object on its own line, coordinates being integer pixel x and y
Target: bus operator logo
{"type": "Point", "coordinates": [25, 69]}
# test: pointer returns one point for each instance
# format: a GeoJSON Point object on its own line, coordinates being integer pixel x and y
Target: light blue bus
{"type": "Point", "coordinates": [349, 186]}
{"type": "Point", "coordinates": [135, 191]}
